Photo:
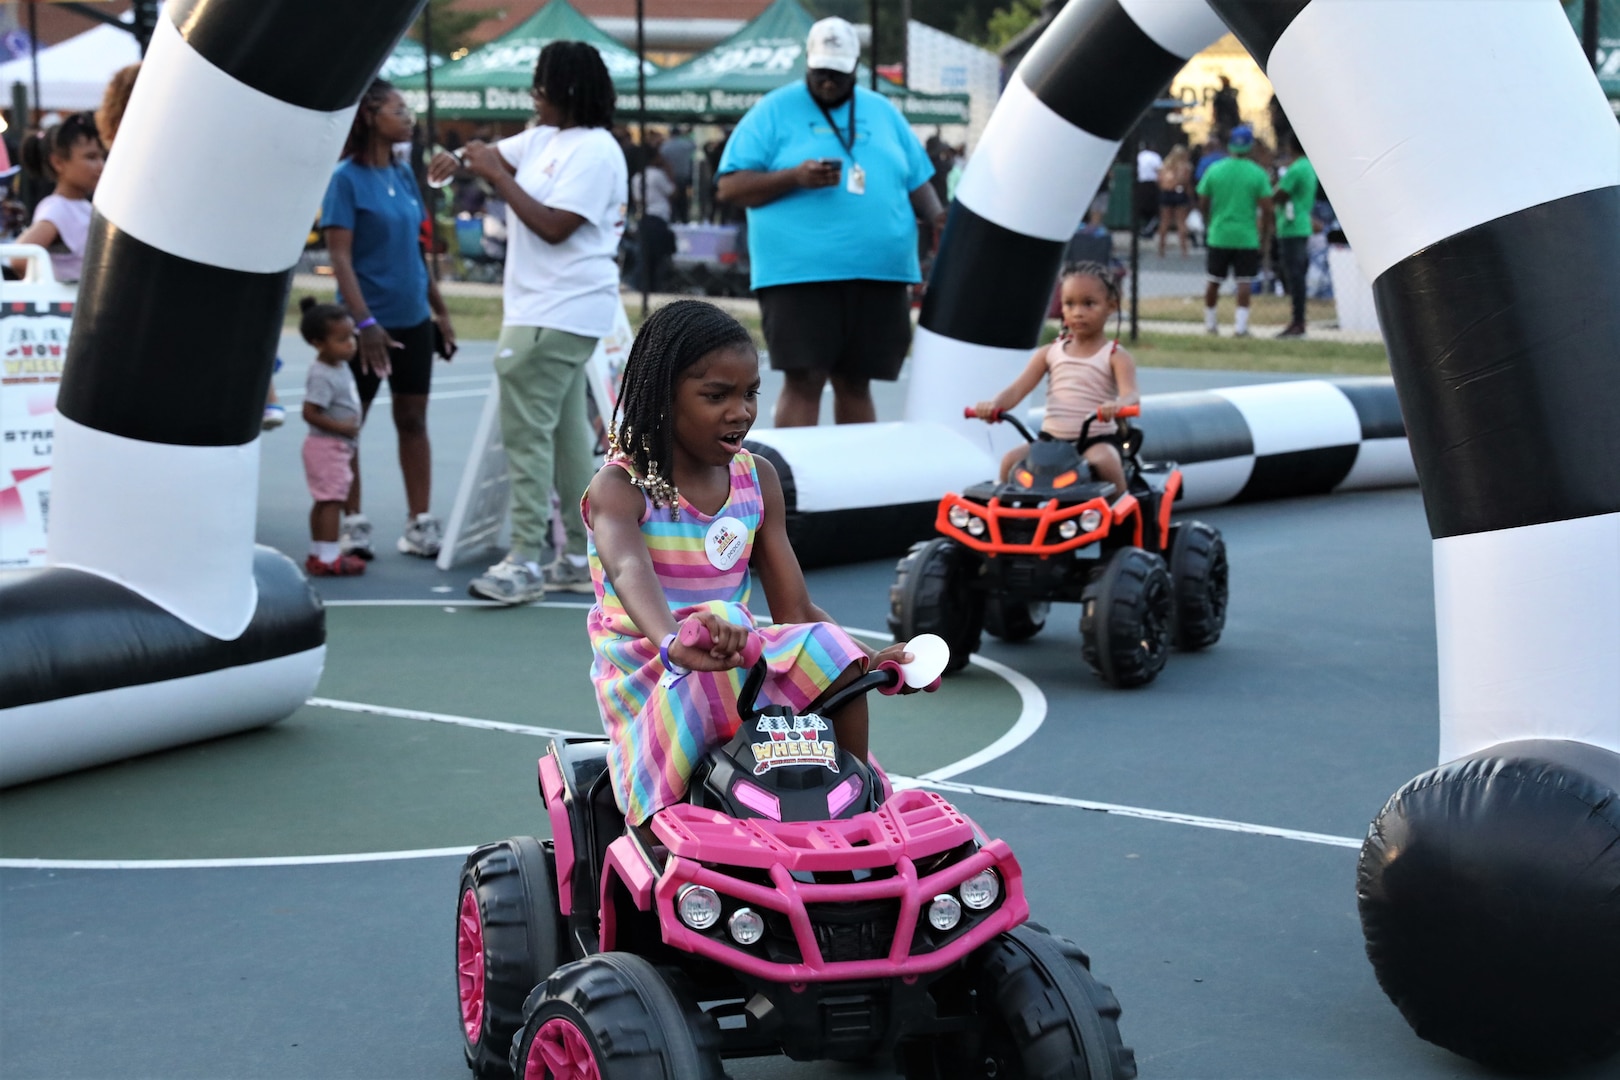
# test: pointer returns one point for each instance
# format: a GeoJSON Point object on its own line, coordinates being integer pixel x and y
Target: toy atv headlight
{"type": "Point", "coordinates": [959, 517]}
{"type": "Point", "coordinates": [698, 905]}
{"type": "Point", "coordinates": [975, 526]}
{"type": "Point", "coordinates": [945, 912]}
{"type": "Point", "coordinates": [1090, 519]}
{"type": "Point", "coordinates": [746, 926]}
{"type": "Point", "coordinates": [1068, 529]}
{"type": "Point", "coordinates": [980, 890]}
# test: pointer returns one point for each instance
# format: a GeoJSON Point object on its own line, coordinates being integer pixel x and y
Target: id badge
{"type": "Point", "coordinates": [855, 180]}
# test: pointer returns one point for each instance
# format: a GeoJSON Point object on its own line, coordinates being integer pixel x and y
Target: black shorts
{"type": "Point", "coordinates": [860, 329]}
{"type": "Point", "coordinates": [1172, 199]}
{"type": "Point", "coordinates": [1243, 263]}
{"type": "Point", "coordinates": [412, 366]}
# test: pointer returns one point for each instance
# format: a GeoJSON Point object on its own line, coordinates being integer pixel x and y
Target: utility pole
{"type": "Point", "coordinates": [873, 58]}
{"type": "Point", "coordinates": [905, 43]}
{"type": "Point", "coordinates": [1589, 32]}
{"type": "Point", "coordinates": [643, 270]}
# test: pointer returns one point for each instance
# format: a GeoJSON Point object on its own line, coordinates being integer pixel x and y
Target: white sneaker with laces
{"type": "Point", "coordinates": [564, 576]}
{"type": "Point", "coordinates": [356, 536]}
{"type": "Point", "coordinates": [509, 581]}
{"type": "Point", "coordinates": [423, 536]}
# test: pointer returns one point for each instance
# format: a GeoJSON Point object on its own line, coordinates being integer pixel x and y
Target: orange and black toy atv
{"type": "Point", "coordinates": [1055, 533]}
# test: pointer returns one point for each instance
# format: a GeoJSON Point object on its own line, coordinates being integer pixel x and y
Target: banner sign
{"type": "Point", "coordinates": [33, 346]}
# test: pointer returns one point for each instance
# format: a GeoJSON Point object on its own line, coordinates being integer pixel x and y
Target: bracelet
{"type": "Point", "coordinates": [663, 654]}
{"type": "Point", "coordinates": [368, 321]}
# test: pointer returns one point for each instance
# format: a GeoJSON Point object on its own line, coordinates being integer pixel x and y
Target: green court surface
{"type": "Point", "coordinates": [328, 781]}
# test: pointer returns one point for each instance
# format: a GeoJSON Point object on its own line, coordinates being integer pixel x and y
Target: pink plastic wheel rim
{"type": "Point", "coordinates": [560, 1051]}
{"type": "Point", "coordinates": [470, 966]}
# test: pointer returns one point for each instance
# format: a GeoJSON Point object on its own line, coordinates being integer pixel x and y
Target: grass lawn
{"type": "Point", "coordinates": [1264, 309]}
{"type": "Point", "coordinates": [479, 318]}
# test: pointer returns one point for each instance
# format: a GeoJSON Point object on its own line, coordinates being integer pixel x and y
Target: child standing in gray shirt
{"type": "Point", "coordinates": [332, 411]}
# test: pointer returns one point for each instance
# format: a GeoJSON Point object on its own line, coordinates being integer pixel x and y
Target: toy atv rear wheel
{"type": "Point", "coordinates": [1014, 620]}
{"type": "Point", "coordinates": [931, 595]}
{"type": "Point", "coordinates": [611, 1015]}
{"type": "Point", "coordinates": [1198, 581]}
{"type": "Point", "coordinates": [508, 939]}
{"type": "Point", "coordinates": [1125, 618]}
{"type": "Point", "coordinates": [1045, 1017]}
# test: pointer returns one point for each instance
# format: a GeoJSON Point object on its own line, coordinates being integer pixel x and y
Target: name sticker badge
{"type": "Point", "coordinates": [855, 180]}
{"type": "Point", "coordinates": [725, 542]}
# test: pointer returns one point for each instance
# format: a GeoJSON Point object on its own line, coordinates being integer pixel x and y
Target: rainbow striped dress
{"type": "Point", "coordinates": [662, 726]}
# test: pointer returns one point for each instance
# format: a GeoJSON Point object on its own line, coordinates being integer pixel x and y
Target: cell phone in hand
{"type": "Point", "coordinates": [835, 164]}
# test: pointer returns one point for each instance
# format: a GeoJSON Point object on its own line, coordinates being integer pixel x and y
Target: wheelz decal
{"type": "Point", "coordinates": [793, 740]}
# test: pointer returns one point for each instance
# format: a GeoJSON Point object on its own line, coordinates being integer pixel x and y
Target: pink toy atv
{"type": "Point", "coordinates": [794, 904]}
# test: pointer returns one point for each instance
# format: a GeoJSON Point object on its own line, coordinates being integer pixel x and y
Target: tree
{"type": "Point", "coordinates": [453, 27]}
{"type": "Point", "coordinates": [1008, 22]}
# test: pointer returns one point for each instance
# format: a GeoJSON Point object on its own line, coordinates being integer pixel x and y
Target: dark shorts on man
{"type": "Point", "coordinates": [412, 366]}
{"type": "Point", "coordinates": [859, 329]}
{"type": "Point", "coordinates": [1241, 263]}
{"type": "Point", "coordinates": [1171, 199]}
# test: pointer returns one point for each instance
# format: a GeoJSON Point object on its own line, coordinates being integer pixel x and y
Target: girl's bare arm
{"type": "Point", "coordinates": [1027, 380]}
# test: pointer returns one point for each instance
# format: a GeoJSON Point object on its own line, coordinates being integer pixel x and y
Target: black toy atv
{"type": "Point", "coordinates": [1054, 532]}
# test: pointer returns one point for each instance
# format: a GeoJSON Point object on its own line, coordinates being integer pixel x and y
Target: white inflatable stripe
{"type": "Point", "coordinates": [947, 374]}
{"type": "Point", "coordinates": [1033, 171]}
{"type": "Point", "coordinates": [172, 523]}
{"type": "Point", "coordinates": [1302, 415]}
{"type": "Point", "coordinates": [1210, 483]}
{"type": "Point", "coordinates": [1529, 635]}
{"type": "Point", "coordinates": [51, 737]}
{"type": "Point", "coordinates": [1381, 463]}
{"type": "Point", "coordinates": [1410, 90]}
{"type": "Point", "coordinates": [1183, 27]}
{"type": "Point", "coordinates": [213, 170]}
{"type": "Point", "coordinates": [860, 465]}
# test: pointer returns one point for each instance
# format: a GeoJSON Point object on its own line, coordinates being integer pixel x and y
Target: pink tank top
{"type": "Point", "coordinates": [1075, 387]}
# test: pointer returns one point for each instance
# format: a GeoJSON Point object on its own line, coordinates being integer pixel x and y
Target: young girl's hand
{"type": "Point", "coordinates": [986, 410]}
{"type": "Point", "coordinates": [1107, 409]}
{"type": "Point", "coordinates": [723, 655]}
{"type": "Point", "coordinates": [899, 655]}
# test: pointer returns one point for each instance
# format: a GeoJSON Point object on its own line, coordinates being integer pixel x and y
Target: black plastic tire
{"type": "Point", "coordinates": [1046, 1018]}
{"type": "Point", "coordinates": [617, 1008]}
{"type": "Point", "coordinates": [1125, 618]}
{"type": "Point", "coordinates": [930, 595]}
{"type": "Point", "coordinates": [1014, 620]}
{"type": "Point", "coordinates": [1198, 580]}
{"type": "Point", "coordinates": [514, 899]}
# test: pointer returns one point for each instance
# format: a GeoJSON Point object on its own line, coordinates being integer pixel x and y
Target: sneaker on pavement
{"type": "Point", "coordinates": [1292, 330]}
{"type": "Point", "coordinates": [356, 538]}
{"type": "Point", "coordinates": [508, 582]}
{"type": "Point", "coordinates": [1213, 331]}
{"type": "Point", "coordinates": [423, 536]}
{"type": "Point", "coordinates": [1240, 333]}
{"type": "Point", "coordinates": [274, 417]}
{"type": "Point", "coordinates": [342, 566]}
{"type": "Point", "coordinates": [564, 576]}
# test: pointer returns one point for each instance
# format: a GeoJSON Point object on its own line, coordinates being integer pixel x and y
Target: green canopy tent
{"type": "Point", "coordinates": [724, 82]}
{"type": "Point", "coordinates": [1608, 45]}
{"type": "Point", "coordinates": [407, 59]}
{"type": "Point", "coordinates": [492, 82]}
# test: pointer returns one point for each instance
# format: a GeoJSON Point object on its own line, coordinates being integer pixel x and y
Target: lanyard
{"type": "Point", "coordinates": [849, 147]}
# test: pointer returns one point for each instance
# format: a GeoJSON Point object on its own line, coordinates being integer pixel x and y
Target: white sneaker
{"type": "Point", "coordinates": [508, 582]}
{"type": "Point", "coordinates": [356, 536]}
{"type": "Point", "coordinates": [274, 417]}
{"type": "Point", "coordinates": [423, 536]}
{"type": "Point", "coordinates": [564, 576]}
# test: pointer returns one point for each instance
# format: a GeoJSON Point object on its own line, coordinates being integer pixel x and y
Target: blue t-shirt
{"type": "Point", "coordinates": [380, 206]}
{"type": "Point", "coordinates": [831, 234]}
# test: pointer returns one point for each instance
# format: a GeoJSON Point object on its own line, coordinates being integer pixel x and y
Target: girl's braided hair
{"type": "Point", "coordinates": [1109, 281]}
{"type": "Point", "coordinates": [365, 118]}
{"type": "Point", "coordinates": [573, 77]}
{"type": "Point", "coordinates": [643, 430]}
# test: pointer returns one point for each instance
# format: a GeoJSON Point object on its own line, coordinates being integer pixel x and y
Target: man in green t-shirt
{"type": "Point", "coordinates": [1232, 196]}
{"type": "Point", "coordinates": [1295, 196]}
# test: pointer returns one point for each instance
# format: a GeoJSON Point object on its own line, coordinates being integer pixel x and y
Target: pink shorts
{"type": "Point", "coordinates": [328, 467]}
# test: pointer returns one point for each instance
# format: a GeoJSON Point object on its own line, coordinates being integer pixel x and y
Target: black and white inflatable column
{"type": "Point", "coordinates": [1054, 133]}
{"type": "Point", "coordinates": [1490, 887]}
{"type": "Point", "coordinates": [159, 621]}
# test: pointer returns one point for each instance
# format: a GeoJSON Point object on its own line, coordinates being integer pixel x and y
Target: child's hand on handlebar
{"type": "Point", "coordinates": [897, 654]}
{"type": "Point", "coordinates": [1107, 409]}
{"type": "Point", "coordinates": [725, 653]}
{"type": "Point", "coordinates": [986, 410]}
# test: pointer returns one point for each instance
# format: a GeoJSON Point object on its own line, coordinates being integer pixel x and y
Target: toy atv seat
{"type": "Point", "coordinates": [1054, 533]}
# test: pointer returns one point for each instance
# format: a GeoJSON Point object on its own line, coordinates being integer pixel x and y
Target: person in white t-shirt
{"type": "Point", "coordinates": [1145, 195]}
{"type": "Point", "coordinates": [565, 188]}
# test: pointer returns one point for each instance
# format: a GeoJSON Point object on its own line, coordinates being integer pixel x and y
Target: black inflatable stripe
{"type": "Point", "coordinates": [1258, 23]}
{"type": "Point", "coordinates": [1298, 472]}
{"type": "Point", "coordinates": [312, 53]}
{"type": "Point", "coordinates": [1503, 340]}
{"type": "Point", "coordinates": [1097, 69]}
{"type": "Point", "coordinates": [1377, 406]}
{"type": "Point", "coordinates": [990, 285]}
{"type": "Point", "coordinates": [1192, 427]}
{"type": "Point", "coordinates": [166, 350]}
{"type": "Point", "coordinates": [839, 537]}
{"type": "Point", "coordinates": [784, 471]}
{"type": "Point", "coordinates": [65, 632]}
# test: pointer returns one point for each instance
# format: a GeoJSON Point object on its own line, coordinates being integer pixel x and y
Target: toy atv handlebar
{"type": "Point", "coordinates": [969, 412]}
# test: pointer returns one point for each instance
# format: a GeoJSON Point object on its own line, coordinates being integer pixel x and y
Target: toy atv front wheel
{"type": "Point", "coordinates": [611, 1015]}
{"type": "Point", "coordinates": [931, 595]}
{"type": "Point", "coordinates": [1045, 1017]}
{"type": "Point", "coordinates": [1125, 618]}
{"type": "Point", "coordinates": [1198, 580]}
{"type": "Point", "coordinates": [508, 939]}
{"type": "Point", "coordinates": [1014, 620]}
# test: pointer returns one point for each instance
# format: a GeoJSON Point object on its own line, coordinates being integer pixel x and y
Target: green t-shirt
{"type": "Point", "coordinates": [1233, 186]}
{"type": "Point", "coordinates": [1299, 181]}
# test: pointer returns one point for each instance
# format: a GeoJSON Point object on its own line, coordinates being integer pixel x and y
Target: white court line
{"type": "Point", "coordinates": [450, 718]}
{"type": "Point", "coordinates": [385, 399]}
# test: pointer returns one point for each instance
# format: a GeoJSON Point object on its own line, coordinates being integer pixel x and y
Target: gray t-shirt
{"type": "Point", "coordinates": [331, 388]}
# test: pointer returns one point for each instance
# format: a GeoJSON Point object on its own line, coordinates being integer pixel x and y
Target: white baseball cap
{"type": "Point", "coordinates": [833, 46]}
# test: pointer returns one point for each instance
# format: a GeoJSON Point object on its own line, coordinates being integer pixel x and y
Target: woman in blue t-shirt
{"type": "Point", "coordinates": [372, 218]}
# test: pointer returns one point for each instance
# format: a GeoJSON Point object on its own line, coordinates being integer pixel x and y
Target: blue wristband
{"type": "Point", "coordinates": [663, 654]}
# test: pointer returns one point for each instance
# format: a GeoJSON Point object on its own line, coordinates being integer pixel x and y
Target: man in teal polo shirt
{"type": "Point", "coordinates": [1295, 196]}
{"type": "Point", "coordinates": [833, 180]}
{"type": "Point", "coordinates": [1233, 195]}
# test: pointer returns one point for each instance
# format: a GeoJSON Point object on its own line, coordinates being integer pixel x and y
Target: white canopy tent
{"type": "Point", "coordinates": [73, 73]}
